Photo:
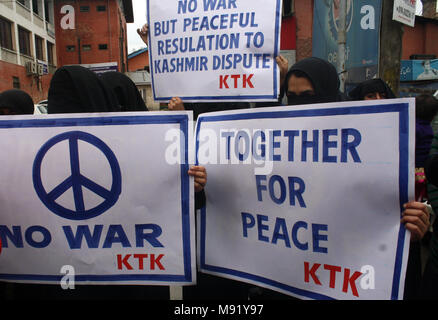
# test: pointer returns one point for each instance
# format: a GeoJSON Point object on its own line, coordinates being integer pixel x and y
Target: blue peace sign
{"type": "Point", "coordinates": [76, 181]}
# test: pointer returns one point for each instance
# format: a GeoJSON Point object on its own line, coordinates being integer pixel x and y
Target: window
{"type": "Point", "coordinates": [39, 48]}
{"type": "Point", "coordinates": [49, 11]}
{"type": "Point", "coordinates": [50, 57]}
{"type": "Point", "coordinates": [84, 8]}
{"type": "Point", "coordinates": [101, 8]}
{"type": "Point", "coordinates": [24, 41]}
{"type": "Point", "coordinates": [16, 82]}
{"type": "Point", "coordinates": [103, 47]}
{"type": "Point", "coordinates": [6, 34]}
{"type": "Point", "coordinates": [86, 47]}
{"type": "Point", "coordinates": [35, 7]}
{"type": "Point", "coordinates": [71, 48]}
{"type": "Point", "coordinates": [25, 3]}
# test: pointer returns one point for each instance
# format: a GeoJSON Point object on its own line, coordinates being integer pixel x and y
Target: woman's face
{"type": "Point", "coordinates": [300, 86]}
{"type": "Point", "coordinates": [375, 96]}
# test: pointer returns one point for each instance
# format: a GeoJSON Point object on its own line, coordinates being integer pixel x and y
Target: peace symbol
{"type": "Point", "coordinates": [77, 181]}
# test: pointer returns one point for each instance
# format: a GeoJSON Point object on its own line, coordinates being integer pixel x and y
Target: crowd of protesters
{"type": "Point", "coordinates": [75, 89]}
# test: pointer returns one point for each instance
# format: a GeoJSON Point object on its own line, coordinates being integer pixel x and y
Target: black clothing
{"type": "Point", "coordinates": [17, 101]}
{"type": "Point", "coordinates": [370, 86]}
{"type": "Point", "coordinates": [125, 91]}
{"type": "Point", "coordinates": [322, 75]}
{"type": "Point", "coordinates": [75, 89]}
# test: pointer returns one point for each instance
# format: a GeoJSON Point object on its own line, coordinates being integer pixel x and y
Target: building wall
{"type": "Point", "coordinates": [304, 24]}
{"type": "Point", "coordinates": [139, 62]}
{"type": "Point", "coordinates": [288, 33]}
{"type": "Point", "coordinates": [12, 63]}
{"type": "Point", "coordinates": [36, 86]}
{"type": "Point", "coordinates": [431, 39]}
{"type": "Point", "coordinates": [93, 28]}
{"type": "Point", "coordinates": [422, 39]}
{"type": "Point", "coordinates": [413, 41]}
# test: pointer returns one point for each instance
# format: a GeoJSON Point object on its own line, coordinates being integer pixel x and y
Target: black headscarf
{"type": "Point", "coordinates": [322, 75]}
{"type": "Point", "coordinates": [370, 86]}
{"type": "Point", "coordinates": [75, 89]}
{"type": "Point", "coordinates": [125, 90]}
{"type": "Point", "coordinates": [17, 101]}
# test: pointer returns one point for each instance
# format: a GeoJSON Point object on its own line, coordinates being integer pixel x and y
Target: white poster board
{"type": "Point", "coordinates": [214, 50]}
{"type": "Point", "coordinates": [404, 11]}
{"type": "Point", "coordinates": [307, 200]}
{"type": "Point", "coordinates": [97, 192]}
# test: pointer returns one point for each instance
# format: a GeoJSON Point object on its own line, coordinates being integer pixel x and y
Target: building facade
{"type": "Point", "coordinates": [27, 46]}
{"type": "Point", "coordinates": [142, 80]}
{"type": "Point", "coordinates": [93, 32]}
{"type": "Point", "coordinates": [139, 60]}
{"type": "Point", "coordinates": [421, 39]}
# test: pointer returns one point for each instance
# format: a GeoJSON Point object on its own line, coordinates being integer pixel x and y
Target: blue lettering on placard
{"type": "Point", "coordinates": [164, 27]}
{"type": "Point", "coordinates": [326, 146]}
{"type": "Point", "coordinates": [280, 232]}
{"type": "Point", "coordinates": [291, 135]}
{"type": "Point", "coordinates": [295, 185]}
{"type": "Point", "coordinates": [280, 181]}
{"type": "Point", "coordinates": [317, 237]}
{"type": "Point", "coordinates": [275, 145]}
{"type": "Point", "coordinates": [350, 146]}
{"type": "Point", "coordinates": [75, 240]}
{"type": "Point", "coordinates": [183, 5]}
{"type": "Point", "coordinates": [262, 155]}
{"type": "Point", "coordinates": [227, 136]}
{"type": "Point", "coordinates": [248, 221]}
{"type": "Point", "coordinates": [16, 236]}
{"type": "Point", "coordinates": [261, 228]}
{"type": "Point", "coordinates": [32, 242]}
{"type": "Point", "coordinates": [115, 234]}
{"type": "Point", "coordinates": [247, 145]}
{"type": "Point", "coordinates": [298, 225]}
{"type": "Point", "coordinates": [307, 144]}
{"type": "Point", "coordinates": [210, 5]}
{"type": "Point", "coordinates": [151, 237]}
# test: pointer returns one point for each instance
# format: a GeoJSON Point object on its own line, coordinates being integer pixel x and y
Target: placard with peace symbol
{"type": "Point", "coordinates": [96, 192]}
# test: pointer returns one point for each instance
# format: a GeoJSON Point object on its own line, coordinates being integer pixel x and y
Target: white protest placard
{"type": "Point", "coordinates": [404, 11]}
{"type": "Point", "coordinates": [214, 50]}
{"type": "Point", "coordinates": [106, 195]}
{"type": "Point", "coordinates": [307, 200]}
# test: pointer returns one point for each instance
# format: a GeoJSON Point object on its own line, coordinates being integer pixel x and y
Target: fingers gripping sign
{"type": "Point", "coordinates": [283, 65]}
{"type": "Point", "coordinates": [143, 33]}
{"type": "Point", "coordinates": [176, 104]}
{"type": "Point", "coordinates": [416, 219]}
{"type": "Point", "coordinates": [200, 174]}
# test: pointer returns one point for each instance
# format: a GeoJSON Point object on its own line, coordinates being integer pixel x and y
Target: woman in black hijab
{"type": "Point", "coordinates": [372, 90]}
{"type": "Point", "coordinates": [14, 102]}
{"type": "Point", "coordinates": [126, 92]}
{"type": "Point", "coordinates": [75, 89]}
{"type": "Point", "coordinates": [312, 80]}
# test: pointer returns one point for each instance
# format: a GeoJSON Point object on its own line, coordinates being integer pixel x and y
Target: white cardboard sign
{"type": "Point", "coordinates": [307, 200]}
{"type": "Point", "coordinates": [214, 50]}
{"type": "Point", "coordinates": [96, 192]}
